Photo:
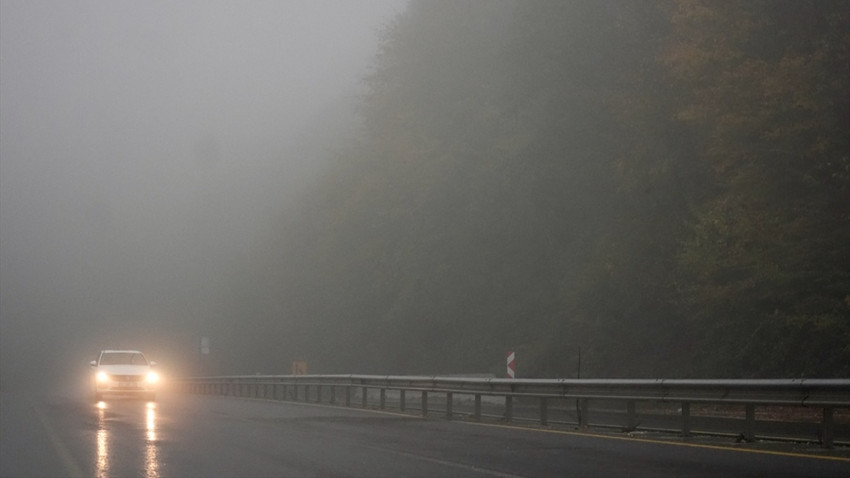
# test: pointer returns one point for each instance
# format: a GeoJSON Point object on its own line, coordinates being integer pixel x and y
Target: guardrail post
{"type": "Point", "coordinates": [583, 418]}
{"type": "Point", "coordinates": [544, 411]}
{"type": "Point", "coordinates": [686, 419]}
{"type": "Point", "coordinates": [477, 413]}
{"type": "Point", "coordinates": [509, 408]}
{"type": "Point", "coordinates": [750, 422]}
{"type": "Point", "coordinates": [364, 400]}
{"type": "Point", "coordinates": [828, 428]}
{"type": "Point", "coordinates": [424, 403]}
{"type": "Point", "coordinates": [401, 397]}
{"type": "Point", "coordinates": [449, 403]}
{"type": "Point", "coordinates": [333, 394]}
{"type": "Point", "coordinates": [383, 398]}
{"type": "Point", "coordinates": [319, 393]}
{"type": "Point", "coordinates": [631, 416]}
{"type": "Point", "coordinates": [347, 395]}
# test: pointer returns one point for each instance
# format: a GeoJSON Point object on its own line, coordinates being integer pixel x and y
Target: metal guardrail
{"type": "Point", "coordinates": [538, 399]}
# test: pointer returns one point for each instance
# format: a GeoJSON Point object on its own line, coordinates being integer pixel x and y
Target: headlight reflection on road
{"type": "Point", "coordinates": [102, 462]}
{"type": "Point", "coordinates": [151, 460]}
{"type": "Point", "coordinates": [151, 453]}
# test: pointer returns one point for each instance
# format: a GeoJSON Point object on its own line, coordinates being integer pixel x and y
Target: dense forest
{"type": "Point", "coordinates": [659, 188]}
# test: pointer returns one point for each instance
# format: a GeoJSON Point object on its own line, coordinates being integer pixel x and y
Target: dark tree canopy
{"type": "Point", "coordinates": [665, 185]}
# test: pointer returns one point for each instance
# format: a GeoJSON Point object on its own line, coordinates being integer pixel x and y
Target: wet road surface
{"type": "Point", "coordinates": [187, 436]}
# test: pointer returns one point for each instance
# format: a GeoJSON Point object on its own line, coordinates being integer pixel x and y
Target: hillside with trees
{"type": "Point", "coordinates": [661, 187]}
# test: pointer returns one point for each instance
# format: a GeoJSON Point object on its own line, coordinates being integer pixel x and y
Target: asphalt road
{"type": "Point", "coordinates": [187, 436]}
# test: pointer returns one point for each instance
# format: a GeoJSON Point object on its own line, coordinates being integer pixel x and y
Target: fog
{"type": "Point", "coordinates": [144, 146]}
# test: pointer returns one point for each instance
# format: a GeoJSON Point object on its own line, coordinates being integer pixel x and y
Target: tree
{"type": "Point", "coordinates": [767, 262]}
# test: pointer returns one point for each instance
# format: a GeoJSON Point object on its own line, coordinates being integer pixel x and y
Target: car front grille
{"type": "Point", "coordinates": [127, 378]}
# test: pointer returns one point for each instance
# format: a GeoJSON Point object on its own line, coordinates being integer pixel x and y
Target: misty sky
{"type": "Point", "coordinates": [145, 145]}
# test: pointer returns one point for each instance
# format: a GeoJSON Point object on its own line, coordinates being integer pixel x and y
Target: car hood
{"type": "Point", "coordinates": [124, 369]}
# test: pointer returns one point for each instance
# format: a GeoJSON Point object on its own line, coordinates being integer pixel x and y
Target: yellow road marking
{"type": "Point", "coordinates": [668, 442]}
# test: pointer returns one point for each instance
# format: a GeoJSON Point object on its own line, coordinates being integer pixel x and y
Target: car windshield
{"type": "Point", "coordinates": [123, 358]}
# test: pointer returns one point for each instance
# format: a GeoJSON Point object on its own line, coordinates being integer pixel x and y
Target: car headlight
{"type": "Point", "coordinates": [102, 377]}
{"type": "Point", "coordinates": [152, 377]}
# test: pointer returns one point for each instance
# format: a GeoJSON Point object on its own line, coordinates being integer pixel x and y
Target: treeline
{"type": "Point", "coordinates": [663, 186]}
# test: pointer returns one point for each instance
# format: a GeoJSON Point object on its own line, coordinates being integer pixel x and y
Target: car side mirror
{"type": "Point", "coordinates": [93, 363]}
{"type": "Point", "coordinates": [153, 364]}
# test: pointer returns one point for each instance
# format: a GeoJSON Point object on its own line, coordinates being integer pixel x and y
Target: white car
{"type": "Point", "coordinates": [124, 372]}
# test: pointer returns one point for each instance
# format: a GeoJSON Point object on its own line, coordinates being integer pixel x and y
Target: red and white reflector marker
{"type": "Point", "coordinates": [511, 365]}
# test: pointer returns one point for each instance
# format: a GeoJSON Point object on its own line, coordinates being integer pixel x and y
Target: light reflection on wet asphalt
{"type": "Point", "coordinates": [128, 411]}
{"type": "Point", "coordinates": [151, 461]}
